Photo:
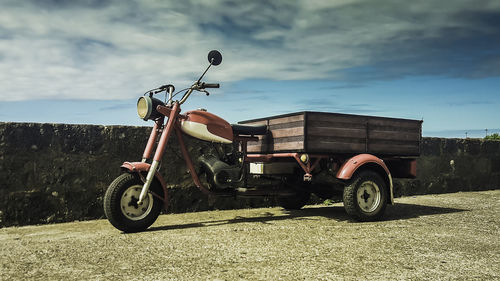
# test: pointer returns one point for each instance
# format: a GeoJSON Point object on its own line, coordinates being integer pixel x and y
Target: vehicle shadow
{"type": "Point", "coordinates": [400, 211]}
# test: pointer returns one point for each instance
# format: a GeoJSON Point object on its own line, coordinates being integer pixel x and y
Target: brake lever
{"type": "Point", "coordinates": [204, 91]}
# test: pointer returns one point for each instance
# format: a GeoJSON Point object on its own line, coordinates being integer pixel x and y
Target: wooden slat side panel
{"type": "Point", "coordinates": [339, 133]}
{"type": "Point", "coordinates": [394, 137]}
{"type": "Point", "coordinates": [285, 134]}
{"type": "Point", "coordinates": [334, 133]}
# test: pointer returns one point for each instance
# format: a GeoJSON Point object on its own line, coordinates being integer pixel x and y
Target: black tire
{"type": "Point", "coordinates": [365, 196]}
{"type": "Point", "coordinates": [119, 205]}
{"type": "Point", "coordinates": [294, 202]}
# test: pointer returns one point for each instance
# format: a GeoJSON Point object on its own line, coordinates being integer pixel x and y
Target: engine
{"type": "Point", "coordinates": [220, 174]}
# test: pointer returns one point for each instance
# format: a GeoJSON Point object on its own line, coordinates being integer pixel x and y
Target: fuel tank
{"type": "Point", "coordinates": [207, 126]}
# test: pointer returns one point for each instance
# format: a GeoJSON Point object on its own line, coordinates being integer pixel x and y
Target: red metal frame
{"type": "Point", "coordinates": [189, 162]}
{"type": "Point", "coordinates": [162, 144]}
{"type": "Point", "coordinates": [173, 123]}
{"type": "Point", "coordinates": [152, 138]}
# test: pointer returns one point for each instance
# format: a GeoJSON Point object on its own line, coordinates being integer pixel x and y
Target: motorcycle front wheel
{"type": "Point", "coordinates": [121, 208]}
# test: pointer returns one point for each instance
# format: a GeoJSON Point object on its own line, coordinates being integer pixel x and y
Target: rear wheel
{"type": "Point", "coordinates": [365, 196]}
{"type": "Point", "coordinates": [121, 208]}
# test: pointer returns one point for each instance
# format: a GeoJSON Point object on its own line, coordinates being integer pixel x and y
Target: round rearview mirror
{"type": "Point", "coordinates": [214, 57]}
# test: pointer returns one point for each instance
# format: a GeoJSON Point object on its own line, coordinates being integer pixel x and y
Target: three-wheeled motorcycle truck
{"type": "Point", "coordinates": [288, 156]}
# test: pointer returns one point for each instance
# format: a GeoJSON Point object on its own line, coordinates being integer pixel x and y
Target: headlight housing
{"type": "Point", "coordinates": [146, 108]}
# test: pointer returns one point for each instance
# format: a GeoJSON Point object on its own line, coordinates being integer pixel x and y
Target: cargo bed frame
{"type": "Point", "coordinates": [322, 132]}
{"type": "Point", "coordinates": [360, 153]}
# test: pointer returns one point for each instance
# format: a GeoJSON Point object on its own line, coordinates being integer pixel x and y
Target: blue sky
{"type": "Point", "coordinates": [88, 61]}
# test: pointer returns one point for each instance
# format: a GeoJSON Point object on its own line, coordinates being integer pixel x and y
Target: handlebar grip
{"type": "Point", "coordinates": [211, 85]}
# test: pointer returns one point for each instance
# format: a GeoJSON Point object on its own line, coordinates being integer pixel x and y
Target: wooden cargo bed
{"type": "Point", "coordinates": [320, 132]}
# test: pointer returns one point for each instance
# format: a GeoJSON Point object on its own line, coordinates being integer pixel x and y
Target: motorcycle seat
{"type": "Point", "coordinates": [239, 129]}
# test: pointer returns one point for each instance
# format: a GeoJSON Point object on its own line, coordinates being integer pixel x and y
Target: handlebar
{"type": "Point", "coordinates": [169, 88]}
{"type": "Point", "coordinates": [210, 85]}
{"type": "Point", "coordinates": [198, 87]}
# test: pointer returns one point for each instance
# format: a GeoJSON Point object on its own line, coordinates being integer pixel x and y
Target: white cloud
{"type": "Point", "coordinates": [119, 49]}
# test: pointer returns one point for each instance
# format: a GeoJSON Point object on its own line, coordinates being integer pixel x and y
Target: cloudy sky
{"type": "Point", "coordinates": [88, 61]}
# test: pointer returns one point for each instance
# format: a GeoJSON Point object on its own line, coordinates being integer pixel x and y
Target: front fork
{"type": "Point", "coordinates": [149, 180]}
{"type": "Point", "coordinates": [160, 149]}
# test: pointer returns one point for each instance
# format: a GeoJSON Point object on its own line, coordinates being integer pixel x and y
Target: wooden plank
{"type": "Point", "coordinates": [258, 146]}
{"type": "Point", "coordinates": [318, 132]}
{"type": "Point", "coordinates": [279, 133]}
{"type": "Point", "coordinates": [393, 128]}
{"type": "Point", "coordinates": [256, 149]}
{"type": "Point", "coordinates": [288, 119]}
{"type": "Point", "coordinates": [287, 139]}
{"type": "Point", "coordinates": [338, 139]}
{"type": "Point", "coordinates": [257, 123]}
{"type": "Point", "coordinates": [286, 146]}
{"type": "Point", "coordinates": [334, 124]}
{"type": "Point", "coordinates": [295, 124]}
{"type": "Point", "coordinates": [397, 123]}
{"type": "Point", "coordinates": [394, 135]}
{"type": "Point", "coordinates": [332, 117]}
{"type": "Point", "coordinates": [339, 147]}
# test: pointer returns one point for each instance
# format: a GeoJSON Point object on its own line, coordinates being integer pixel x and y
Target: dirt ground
{"type": "Point", "coordinates": [433, 237]}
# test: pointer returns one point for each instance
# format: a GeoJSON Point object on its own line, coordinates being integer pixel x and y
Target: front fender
{"type": "Point", "coordinates": [138, 167]}
{"type": "Point", "coordinates": [353, 164]}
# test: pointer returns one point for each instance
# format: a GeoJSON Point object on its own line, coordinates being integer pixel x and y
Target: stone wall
{"type": "Point", "coordinates": [57, 172]}
{"type": "Point", "coordinates": [452, 165]}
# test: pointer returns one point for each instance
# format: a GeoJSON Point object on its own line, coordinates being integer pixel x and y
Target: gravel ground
{"type": "Point", "coordinates": [433, 237]}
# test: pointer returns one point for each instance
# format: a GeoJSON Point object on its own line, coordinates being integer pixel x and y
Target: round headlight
{"type": "Point", "coordinates": [146, 108]}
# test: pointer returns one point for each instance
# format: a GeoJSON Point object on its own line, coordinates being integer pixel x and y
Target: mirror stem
{"type": "Point", "coordinates": [204, 72]}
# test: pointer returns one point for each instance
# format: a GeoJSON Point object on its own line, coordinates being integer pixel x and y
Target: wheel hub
{"type": "Point", "coordinates": [128, 203]}
{"type": "Point", "coordinates": [368, 196]}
